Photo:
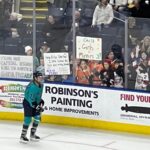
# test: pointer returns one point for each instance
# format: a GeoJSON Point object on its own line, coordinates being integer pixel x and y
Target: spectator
{"type": "Point", "coordinates": [134, 6]}
{"type": "Point", "coordinates": [67, 78]}
{"type": "Point", "coordinates": [78, 19]}
{"type": "Point", "coordinates": [51, 78]}
{"type": "Point", "coordinates": [134, 32]}
{"type": "Point", "coordinates": [54, 34]}
{"type": "Point", "coordinates": [103, 14]}
{"type": "Point", "coordinates": [95, 67]}
{"type": "Point", "coordinates": [68, 43]}
{"type": "Point", "coordinates": [5, 8]}
{"type": "Point", "coordinates": [142, 48]}
{"type": "Point", "coordinates": [118, 81]}
{"type": "Point", "coordinates": [145, 45]}
{"type": "Point", "coordinates": [69, 6]}
{"type": "Point", "coordinates": [8, 6]}
{"type": "Point", "coordinates": [29, 52]}
{"type": "Point", "coordinates": [48, 26]}
{"type": "Point", "coordinates": [41, 67]}
{"type": "Point", "coordinates": [142, 78]}
{"type": "Point", "coordinates": [83, 72]}
{"type": "Point", "coordinates": [17, 26]}
{"type": "Point", "coordinates": [131, 75]}
{"type": "Point", "coordinates": [43, 49]}
{"type": "Point", "coordinates": [118, 74]}
{"type": "Point", "coordinates": [69, 37]}
{"type": "Point", "coordinates": [134, 56]}
{"type": "Point", "coordinates": [111, 58]}
{"type": "Point", "coordinates": [107, 74]}
{"type": "Point", "coordinates": [118, 51]}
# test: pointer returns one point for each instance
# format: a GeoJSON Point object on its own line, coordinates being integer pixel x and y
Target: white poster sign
{"type": "Point", "coordinates": [88, 48]}
{"type": "Point", "coordinates": [17, 67]}
{"type": "Point", "coordinates": [56, 64]}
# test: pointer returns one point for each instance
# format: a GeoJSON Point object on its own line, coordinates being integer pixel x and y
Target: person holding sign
{"type": "Point", "coordinates": [33, 106]}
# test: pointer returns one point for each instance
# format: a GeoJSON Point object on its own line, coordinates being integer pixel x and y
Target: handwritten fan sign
{"type": "Point", "coordinates": [88, 48]}
{"type": "Point", "coordinates": [17, 67]}
{"type": "Point", "coordinates": [56, 64]}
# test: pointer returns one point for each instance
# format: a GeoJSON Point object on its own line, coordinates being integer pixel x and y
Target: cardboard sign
{"type": "Point", "coordinates": [88, 48]}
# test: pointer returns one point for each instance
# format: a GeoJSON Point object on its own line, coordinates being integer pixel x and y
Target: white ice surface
{"type": "Point", "coordinates": [54, 137]}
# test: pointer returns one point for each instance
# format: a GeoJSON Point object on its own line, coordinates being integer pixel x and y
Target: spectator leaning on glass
{"type": "Point", "coordinates": [103, 14]}
{"type": "Point", "coordinates": [33, 106]}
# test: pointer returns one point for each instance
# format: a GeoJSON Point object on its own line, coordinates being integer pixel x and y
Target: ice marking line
{"type": "Point", "coordinates": [44, 137]}
{"type": "Point", "coordinates": [59, 141]}
{"type": "Point", "coordinates": [109, 143]}
{"type": "Point", "coordinates": [105, 146]}
{"type": "Point", "coordinates": [78, 143]}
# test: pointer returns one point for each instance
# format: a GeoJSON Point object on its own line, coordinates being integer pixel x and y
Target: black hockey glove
{"type": "Point", "coordinates": [41, 102]}
{"type": "Point", "coordinates": [39, 108]}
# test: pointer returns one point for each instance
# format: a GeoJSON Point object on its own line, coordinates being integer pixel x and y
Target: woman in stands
{"type": "Point", "coordinates": [83, 72]}
{"type": "Point", "coordinates": [95, 68]}
{"type": "Point", "coordinates": [107, 74]}
{"type": "Point", "coordinates": [103, 14]}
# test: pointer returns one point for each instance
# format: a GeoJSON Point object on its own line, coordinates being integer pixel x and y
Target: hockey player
{"type": "Point", "coordinates": [33, 106]}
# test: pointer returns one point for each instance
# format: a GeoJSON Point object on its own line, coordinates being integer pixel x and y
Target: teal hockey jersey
{"type": "Point", "coordinates": [33, 93]}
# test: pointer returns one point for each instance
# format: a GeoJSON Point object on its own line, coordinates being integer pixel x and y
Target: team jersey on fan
{"type": "Point", "coordinates": [33, 93]}
{"type": "Point", "coordinates": [142, 78]}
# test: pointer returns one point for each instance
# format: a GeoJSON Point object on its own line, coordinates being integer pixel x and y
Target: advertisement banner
{"type": "Point", "coordinates": [17, 67]}
{"type": "Point", "coordinates": [56, 64]}
{"type": "Point", "coordinates": [81, 102]}
{"type": "Point", "coordinates": [128, 107]}
{"type": "Point", "coordinates": [89, 48]}
{"type": "Point", "coordinates": [72, 101]}
{"type": "Point", "coordinates": [11, 96]}
{"type": "Point", "coordinates": [97, 104]}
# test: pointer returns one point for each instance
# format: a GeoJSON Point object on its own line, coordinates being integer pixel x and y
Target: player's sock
{"type": "Point", "coordinates": [23, 138]}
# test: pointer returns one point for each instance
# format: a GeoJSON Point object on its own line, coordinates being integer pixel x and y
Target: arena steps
{"type": "Point", "coordinates": [26, 9]}
{"type": "Point", "coordinates": [29, 3]}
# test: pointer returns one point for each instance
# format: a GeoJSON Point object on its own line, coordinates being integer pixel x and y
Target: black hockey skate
{"type": "Point", "coordinates": [34, 138]}
{"type": "Point", "coordinates": [24, 139]}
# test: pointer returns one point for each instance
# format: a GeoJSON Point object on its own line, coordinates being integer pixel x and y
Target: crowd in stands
{"type": "Point", "coordinates": [93, 18]}
{"type": "Point", "coordinates": [5, 8]}
{"type": "Point", "coordinates": [5, 11]}
{"type": "Point", "coordinates": [108, 72]}
{"type": "Point", "coordinates": [139, 66]}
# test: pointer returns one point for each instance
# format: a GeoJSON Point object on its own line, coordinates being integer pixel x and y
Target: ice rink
{"type": "Point", "coordinates": [54, 137]}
